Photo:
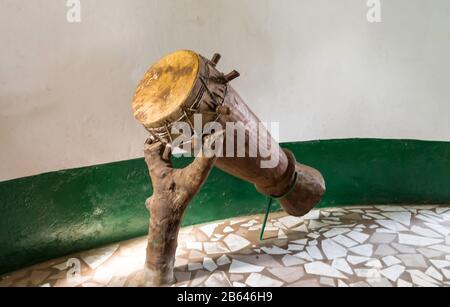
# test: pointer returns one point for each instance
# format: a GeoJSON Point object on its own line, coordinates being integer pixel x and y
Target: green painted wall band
{"type": "Point", "coordinates": [54, 214]}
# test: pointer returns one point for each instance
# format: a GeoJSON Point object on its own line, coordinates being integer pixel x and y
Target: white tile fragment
{"type": "Point", "coordinates": [289, 260]}
{"type": "Point", "coordinates": [392, 225]}
{"type": "Point", "coordinates": [326, 281]}
{"type": "Point", "coordinates": [237, 284]}
{"type": "Point", "coordinates": [332, 250]}
{"type": "Point", "coordinates": [275, 250]}
{"type": "Point", "coordinates": [386, 208]}
{"type": "Point", "coordinates": [356, 210]}
{"type": "Point", "coordinates": [212, 248]}
{"type": "Point", "coordinates": [384, 230]}
{"type": "Point", "coordinates": [430, 253]}
{"type": "Point", "coordinates": [342, 265]}
{"type": "Point", "coordinates": [95, 258]}
{"type": "Point", "coordinates": [239, 267]}
{"type": "Point", "coordinates": [209, 264]}
{"type": "Point", "coordinates": [414, 240]}
{"type": "Point", "coordinates": [304, 255]}
{"type": "Point", "coordinates": [301, 228]}
{"type": "Point", "coordinates": [442, 248]}
{"type": "Point", "coordinates": [375, 216]}
{"type": "Point", "coordinates": [428, 219]}
{"type": "Point", "coordinates": [313, 225]}
{"type": "Point", "coordinates": [314, 252]}
{"type": "Point", "coordinates": [391, 260]}
{"type": "Point", "coordinates": [440, 264]}
{"type": "Point", "coordinates": [313, 235]}
{"type": "Point", "coordinates": [385, 250]}
{"type": "Point", "coordinates": [425, 232]}
{"type": "Point", "coordinates": [62, 266]}
{"type": "Point", "coordinates": [290, 221]}
{"type": "Point", "coordinates": [446, 273]}
{"type": "Point", "coordinates": [421, 279]}
{"type": "Point", "coordinates": [358, 236]}
{"type": "Point", "coordinates": [235, 242]}
{"type": "Point", "coordinates": [413, 260]}
{"type": "Point", "coordinates": [237, 221]}
{"type": "Point", "coordinates": [434, 273]}
{"type": "Point", "coordinates": [343, 240]}
{"type": "Point", "coordinates": [312, 215]}
{"type": "Point", "coordinates": [282, 234]}
{"type": "Point", "coordinates": [295, 247]}
{"type": "Point", "coordinates": [393, 273]}
{"type": "Point", "coordinates": [258, 227]}
{"type": "Point", "coordinates": [288, 275]}
{"type": "Point", "coordinates": [335, 232]}
{"type": "Point", "coordinates": [208, 229]}
{"type": "Point", "coordinates": [342, 284]}
{"type": "Point", "coordinates": [379, 283]}
{"type": "Point", "coordinates": [301, 242]}
{"type": "Point", "coordinates": [445, 231]}
{"type": "Point", "coordinates": [401, 217]}
{"type": "Point", "coordinates": [259, 280]}
{"type": "Point", "coordinates": [103, 275]}
{"type": "Point", "coordinates": [368, 273]}
{"type": "Point", "coordinates": [313, 243]}
{"type": "Point", "coordinates": [279, 225]}
{"type": "Point", "coordinates": [322, 269]}
{"type": "Point", "coordinates": [374, 263]}
{"type": "Point", "coordinates": [403, 248]}
{"type": "Point", "coordinates": [223, 260]}
{"type": "Point", "coordinates": [228, 229]}
{"type": "Point", "coordinates": [357, 260]}
{"type": "Point", "coordinates": [194, 245]}
{"type": "Point", "coordinates": [363, 250]}
{"type": "Point", "coordinates": [218, 279]}
{"type": "Point", "coordinates": [382, 238]}
{"type": "Point", "coordinates": [248, 224]}
{"type": "Point", "coordinates": [194, 266]}
{"type": "Point", "coordinates": [404, 284]}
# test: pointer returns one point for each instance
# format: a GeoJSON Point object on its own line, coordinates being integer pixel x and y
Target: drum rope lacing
{"type": "Point", "coordinates": [272, 198]}
{"type": "Point", "coordinates": [193, 109]}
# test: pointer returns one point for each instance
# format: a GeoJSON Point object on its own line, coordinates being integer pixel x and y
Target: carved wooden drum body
{"type": "Point", "coordinates": [184, 84]}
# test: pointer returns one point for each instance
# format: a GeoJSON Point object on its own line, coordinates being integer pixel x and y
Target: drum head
{"type": "Point", "coordinates": [165, 88]}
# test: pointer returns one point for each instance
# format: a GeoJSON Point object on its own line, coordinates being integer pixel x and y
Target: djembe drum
{"type": "Point", "coordinates": [183, 84]}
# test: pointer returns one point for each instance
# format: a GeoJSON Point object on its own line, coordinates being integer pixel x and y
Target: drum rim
{"type": "Point", "coordinates": [156, 124]}
{"type": "Point", "coordinates": [195, 98]}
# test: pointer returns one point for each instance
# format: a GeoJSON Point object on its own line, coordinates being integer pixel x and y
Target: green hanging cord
{"type": "Point", "coordinates": [269, 205]}
{"type": "Point", "coordinates": [261, 235]}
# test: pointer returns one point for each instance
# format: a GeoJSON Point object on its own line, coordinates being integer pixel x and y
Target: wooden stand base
{"type": "Point", "coordinates": [173, 190]}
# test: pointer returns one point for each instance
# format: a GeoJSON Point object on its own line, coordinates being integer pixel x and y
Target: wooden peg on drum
{"type": "Point", "coordinates": [215, 59]}
{"type": "Point", "coordinates": [231, 76]}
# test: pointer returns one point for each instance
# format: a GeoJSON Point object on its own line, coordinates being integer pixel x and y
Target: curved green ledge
{"type": "Point", "coordinates": [54, 214]}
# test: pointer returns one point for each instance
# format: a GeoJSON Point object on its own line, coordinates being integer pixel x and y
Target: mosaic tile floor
{"type": "Point", "coordinates": [385, 246]}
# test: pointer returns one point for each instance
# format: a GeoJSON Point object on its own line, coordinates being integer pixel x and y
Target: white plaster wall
{"type": "Point", "coordinates": [316, 66]}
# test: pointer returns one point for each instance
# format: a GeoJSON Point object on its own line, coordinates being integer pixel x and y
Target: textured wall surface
{"type": "Point", "coordinates": [316, 66]}
{"type": "Point", "coordinates": [62, 212]}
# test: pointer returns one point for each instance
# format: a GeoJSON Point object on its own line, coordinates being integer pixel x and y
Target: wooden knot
{"type": "Point", "coordinates": [223, 110]}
